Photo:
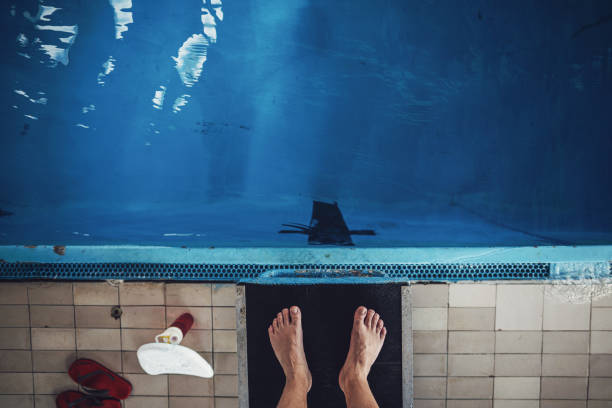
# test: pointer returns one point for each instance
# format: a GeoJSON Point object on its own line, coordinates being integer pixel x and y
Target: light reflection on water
{"type": "Point", "coordinates": [107, 67]}
{"type": "Point", "coordinates": [53, 31]}
{"type": "Point", "coordinates": [54, 49]}
{"type": "Point", "coordinates": [122, 17]}
{"type": "Point", "coordinates": [58, 50]}
{"type": "Point", "coordinates": [192, 54]}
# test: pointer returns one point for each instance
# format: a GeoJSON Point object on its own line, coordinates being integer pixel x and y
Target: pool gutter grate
{"type": "Point", "coordinates": [259, 272]}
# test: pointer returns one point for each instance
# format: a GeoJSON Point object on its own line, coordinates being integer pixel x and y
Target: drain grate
{"type": "Point", "coordinates": [245, 272]}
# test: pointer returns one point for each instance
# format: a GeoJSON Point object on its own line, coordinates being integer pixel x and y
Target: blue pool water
{"type": "Point", "coordinates": [211, 123]}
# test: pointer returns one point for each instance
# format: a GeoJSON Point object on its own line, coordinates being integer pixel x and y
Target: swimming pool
{"type": "Point", "coordinates": [430, 124]}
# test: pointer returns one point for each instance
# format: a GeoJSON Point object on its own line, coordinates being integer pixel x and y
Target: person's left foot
{"type": "Point", "coordinates": [287, 341]}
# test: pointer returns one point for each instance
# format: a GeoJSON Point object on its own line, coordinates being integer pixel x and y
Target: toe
{"type": "Point", "coordinates": [360, 314]}
{"type": "Point", "coordinates": [279, 317]}
{"type": "Point", "coordinates": [296, 315]}
{"type": "Point", "coordinates": [379, 326]}
{"type": "Point", "coordinates": [383, 333]}
{"type": "Point", "coordinates": [286, 317]}
{"type": "Point", "coordinates": [270, 330]}
{"type": "Point", "coordinates": [368, 318]}
{"type": "Point", "coordinates": [275, 324]}
{"type": "Point", "coordinates": [375, 320]}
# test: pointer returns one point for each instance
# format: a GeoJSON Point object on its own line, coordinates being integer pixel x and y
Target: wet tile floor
{"type": "Point", "coordinates": [45, 326]}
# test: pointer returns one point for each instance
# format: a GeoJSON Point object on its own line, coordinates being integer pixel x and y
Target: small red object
{"type": "Point", "coordinates": [74, 399]}
{"type": "Point", "coordinates": [93, 375]}
{"type": "Point", "coordinates": [183, 322]}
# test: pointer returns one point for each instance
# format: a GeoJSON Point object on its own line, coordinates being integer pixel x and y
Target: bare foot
{"type": "Point", "coordinates": [288, 344]}
{"type": "Point", "coordinates": [367, 338]}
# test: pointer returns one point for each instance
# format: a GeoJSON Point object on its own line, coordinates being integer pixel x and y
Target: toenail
{"type": "Point", "coordinates": [294, 310]}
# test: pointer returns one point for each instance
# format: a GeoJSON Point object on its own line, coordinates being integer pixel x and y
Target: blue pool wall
{"type": "Point", "coordinates": [434, 123]}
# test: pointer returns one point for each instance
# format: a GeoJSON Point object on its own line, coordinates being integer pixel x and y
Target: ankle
{"type": "Point", "coordinates": [351, 378]}
{"type": "Point", "coordinates": [353, 384]}
{"type": "Point", "coordinates": [298, 380]}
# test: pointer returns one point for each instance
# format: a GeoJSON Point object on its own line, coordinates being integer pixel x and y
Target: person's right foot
{"type": "Point", "coordinates": [367, 338]}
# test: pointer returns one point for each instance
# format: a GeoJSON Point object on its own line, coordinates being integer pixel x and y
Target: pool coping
{"type": "Point", "coordinates": [304, 265]}
{"type": "Point", "coordinates": [307, 255]}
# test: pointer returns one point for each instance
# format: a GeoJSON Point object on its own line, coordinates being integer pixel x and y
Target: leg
{"type": "Point", "coordinates": [287, 342]}
{"type": "Point", "coordinates": [367, 339]}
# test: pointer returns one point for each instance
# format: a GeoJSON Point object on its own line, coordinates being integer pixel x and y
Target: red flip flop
{"type": "Point", "coordinates": [94, 376]}
{"type": "Point", "coordinates": [74, 399]}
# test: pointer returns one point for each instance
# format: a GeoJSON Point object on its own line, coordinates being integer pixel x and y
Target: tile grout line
{"type": "Point", "coordinates": [494, 341]}
{"type": "Point", "coordinates": [76, 352]}
{"type": "Point", "coordinates": [212, 339]}
{"type": "Point", "coordinates": [120, 330]}
{"type": "Point", "coordinates": [447, 342]}
{"type": "Point", "coordinates": [166, 326]}
{"type": "Point", "coordinates": [31, 348]}
{"type": "Point", "coordinates": [542, 347]}
{"type": "Point", "coordinates": [589, 345]}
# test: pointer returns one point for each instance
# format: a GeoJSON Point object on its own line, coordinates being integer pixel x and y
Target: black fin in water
{"type": "Point", "coordinates": [5, 213]}
{"type": "Point", "coordinates": [327, 226]}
